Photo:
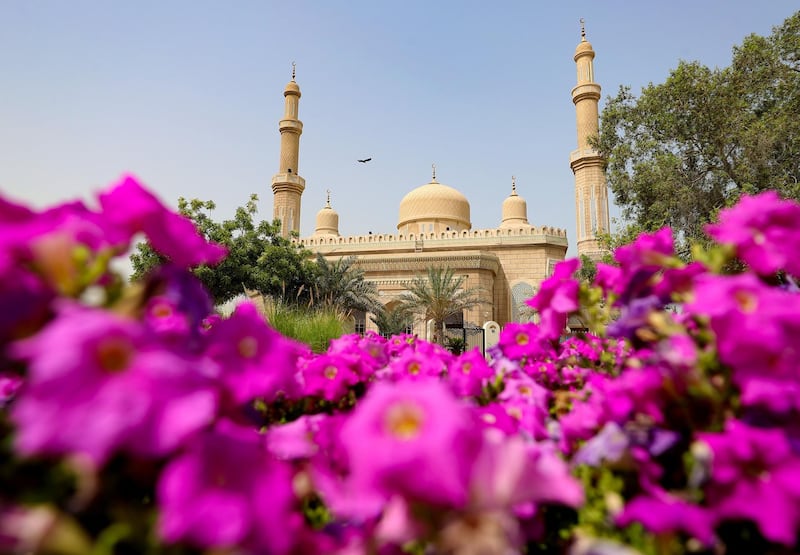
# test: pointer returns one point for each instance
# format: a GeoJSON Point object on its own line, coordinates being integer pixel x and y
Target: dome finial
{"type": "Point", "coordinates": [583, 30]}
{"type": "Point", "coordinates": [328, 204]}
{"type": "Point", "coordinates": [513, 185]}
{"type": "Point", "coordinates": [433, 167]}
{"type": "Point", "coordinates": [294, 67]}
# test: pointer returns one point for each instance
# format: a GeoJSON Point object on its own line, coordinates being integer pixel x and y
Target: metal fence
{"type": "Point", "coordinates": [462, 339]}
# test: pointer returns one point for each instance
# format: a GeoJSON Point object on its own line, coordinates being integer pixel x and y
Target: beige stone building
{"type": "Point", "coordinates": [508, 263]}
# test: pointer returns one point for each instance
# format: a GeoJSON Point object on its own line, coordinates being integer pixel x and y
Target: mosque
{"type": "Point", "coordinates": [507, 263]}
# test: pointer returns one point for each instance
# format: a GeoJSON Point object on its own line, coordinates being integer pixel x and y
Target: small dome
{"type": "Point", "coordinates": [327, 221]}
{"type": "Point", "coordinates": [515, 210]}
{"type": "Point", "coordinates": [437, 204]}
{"type": "Point", "coordinates": [583, 46]}
{"type": "Point", "coordinates": [291, 87]}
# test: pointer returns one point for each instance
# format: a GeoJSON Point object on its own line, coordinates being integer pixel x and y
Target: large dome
{"type": "Point", "coordinates": [436, 206]}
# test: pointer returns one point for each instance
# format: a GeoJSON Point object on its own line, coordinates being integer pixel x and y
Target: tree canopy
{"type": "Point", "coordinates": [339, 284]}
{"type": "Point", "coordinates": [259, 259]}
{"type": "Point", "coordinates": [692, 145]}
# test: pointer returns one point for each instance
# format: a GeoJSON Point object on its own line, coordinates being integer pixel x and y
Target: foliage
{"type": "Point", "coordinates": [439, 295]}
{"type": "Point", "coordinates": [314, 326]}
{"type": "Point", "coordinates": [392, 320]}
{"type": "Point", "coordinates": [340, 285]}
{"type": "Point", "coordinates": [258, 259]}
{"type": "Point", "coordinates": [137, 421]}
{"type": "Point", "coordinates": [688, 147]}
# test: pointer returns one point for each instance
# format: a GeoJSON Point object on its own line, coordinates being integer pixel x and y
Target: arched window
{"type": "Point", "coordinates": [360, 318]}
{"type": "Point", "coordinates": [521, 312]}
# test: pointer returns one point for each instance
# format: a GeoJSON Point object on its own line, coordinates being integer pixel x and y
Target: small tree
{"type": "Point", "coordinates": [259, 259]}
{"type": "Point", "coordinates": [394, 320]}
{"type": "Point", "coordinates": [340, 285]}
{"type": "Point", "coordinates": [439, 295]}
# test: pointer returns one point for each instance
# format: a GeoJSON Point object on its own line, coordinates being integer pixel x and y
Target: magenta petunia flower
{"type": "Point", "coordinates": [755, 476]}
{"type": "Point", "coordinates": [665, 513]}
{"type": "Point", "coordinates": [411, 438]}
{"type": "Point", "coordinates": [557, 297]}
{"type": "Point", "coordinates": [468, 373]}
{"type": "Point", "coordinates": [226, 491]}
{"type": "Point", "coordinates": [424, 362]}
{"type": "Point", "coordinates": [520, 340]}
{"type": "Point", "coordinates": [756, 328]}
{"type": "Point", "coordinates": [255, 360]}
{"type": "Point", "coordinates": [765, 231]}
{"type": "Point", "coordinates": [328, 375]}
{"type": "Point", "coordinates": [509, 471]}
{"type": "Point", "coordinates": [132, 208]}
{"type": "Point", "coordinates": [108, 387]}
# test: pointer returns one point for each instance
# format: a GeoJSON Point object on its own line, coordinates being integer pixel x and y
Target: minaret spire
{"type": "Point", "coordinates": [433, 167]}
{"type": "Point", "coordinates": [591, 190]}
{"type": "Point", "coordinates": [287, 185]}
{"type": "Point", "coordinates": [513, 185]}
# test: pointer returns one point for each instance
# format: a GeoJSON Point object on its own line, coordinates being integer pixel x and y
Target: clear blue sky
{"type": "Point", "coordinates": [187, 94]}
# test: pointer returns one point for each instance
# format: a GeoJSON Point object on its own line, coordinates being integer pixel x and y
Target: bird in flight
{"type": "Point", "coordinates": [365, 160]}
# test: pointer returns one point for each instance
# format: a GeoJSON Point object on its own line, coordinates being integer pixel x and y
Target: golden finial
{"type": "Point", "coordinates": [329, 198]}
{"type": "Point", "coordinates": [433, 166]}
{"type": "Point", "coordinates": [583, 30]}
{"type": "Point", "coordinates": [513, 185]}
{"type": "Point", "coordinates": [294, 66]}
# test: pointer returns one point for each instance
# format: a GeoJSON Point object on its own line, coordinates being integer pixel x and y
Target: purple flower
{"type": "Point", "coordinates": [509, 471]}
{"type": "Point", "coordinates": [130, 207]}
{"type": "Point", "coordinates": [412, 438]}
{"type": "Point", "coordinates": [610, 444]}
{"type": "Point", "coordinates": [328, 376]}
{"type": "Point", "coordinates": [765, 231]}
{"type": "Point", "coordinates": [755, 476]}
{"type": "Point", "coordinates": [557, 297]}
{"type": "Point", "coordinates": [226, 491]}
{"type": "Point", "coordinates": [664, 513]}
{"type": "Point", "coordinates": [108, 387]}
{"type": "Point", "coordinates": [256, 361]}
{"type": "Point", "coordinates": [468, 373]}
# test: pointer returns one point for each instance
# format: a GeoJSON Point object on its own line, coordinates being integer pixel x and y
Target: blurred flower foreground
{"type": "Point", "coordinates": [135, 420]}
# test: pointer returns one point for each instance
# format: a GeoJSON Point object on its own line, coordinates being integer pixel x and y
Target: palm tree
{"type": "Point", "coordinates": [393, 320]}
{"type": "Point", "coordinates": [439, 295]}
{"type": "Point", "coordinates": [340, 285]}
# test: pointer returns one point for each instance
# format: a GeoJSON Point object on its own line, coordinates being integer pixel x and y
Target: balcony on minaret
{"type": "Point", "coordinates": [582, 153]}
{"type": "Point", "coordinates": [288, 181]}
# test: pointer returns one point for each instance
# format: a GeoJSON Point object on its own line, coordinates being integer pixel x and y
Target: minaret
{"type": "Point", "coordinates": [287, 185]}
{"type": "Point", "coordinates": [591, 191]}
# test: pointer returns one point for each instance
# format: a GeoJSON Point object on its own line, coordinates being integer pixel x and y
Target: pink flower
{"type": "Point", "coordinates": [665, 513]}
{"type": "Point", "coordinates": [108, 388]}
{"type": "Point", "coordinates": [132, 208]}
{"type": "Point", "coordinates": [765, 231]}
{"type": "Point", "coordinates": [256, 361]}
{"type": "Point", "coordinates": [468, 373]}
{"type": "Point", "coordinates": [412, 438]}
{"type": "Point", "coordinates": [557, 297]}
{"type": "Point", "coordinates": [226, 491]}
{"type": "Point", "coordinates": [509, 471]}
{"type": "Point", "coordinates": [328, 376]}
{"type": "Point", "coordinates": [752, 464]}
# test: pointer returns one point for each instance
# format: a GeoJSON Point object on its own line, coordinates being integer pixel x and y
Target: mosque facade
{"type": "Point", "coordinates": [507, 263]}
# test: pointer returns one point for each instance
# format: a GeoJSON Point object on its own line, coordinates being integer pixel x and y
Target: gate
{"type": "Point", "coordinates": [460, 339]}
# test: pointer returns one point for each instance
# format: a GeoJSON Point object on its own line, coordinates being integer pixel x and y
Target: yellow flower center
{"type": "Point", "coordinates": [413, 368]}
{"type": "Point", "coordinates": [746, 301]}
{"type": "Point", "coordinates": [466, 367]}
{"type": "Point", "coordinates": [114, 354]}
{"type": "Point", "coordinates": [330, 372]}
{"type": "Point", "coordinates": [162, 310]}
{"type": "Point", "coordinates": [248, 347]}
{"type": "Point", "coordinates": [522, 339]}
{"type": "Point", "coordinates": [525, 390]}
{"type": "Point", "coordinates": [404, 420]}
